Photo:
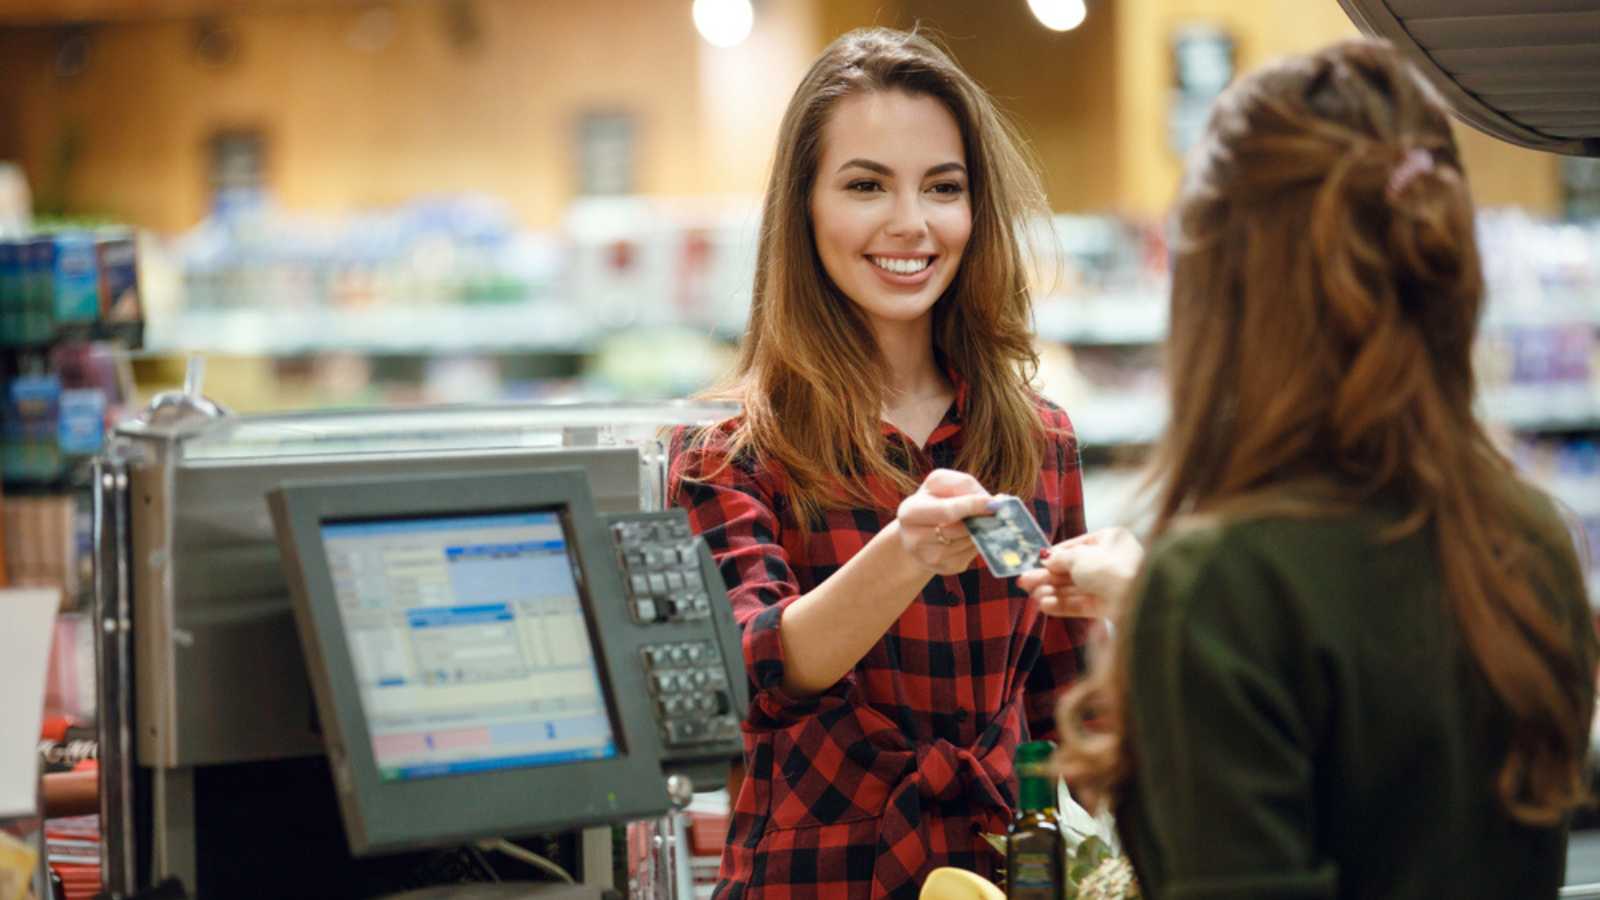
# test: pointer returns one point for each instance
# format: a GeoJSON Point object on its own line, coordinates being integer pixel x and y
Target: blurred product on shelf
{"type": "Point", "coordinates": [74, 283]}
{"type": "Point", "coordinates": [1539, 270]}
{"type": "Point", "coordinates": [642, 262]}
{"type": "Point", "coordinates": [451, 250]}
{"type": "Point", "coordinates": [450, 275]}
{"type": "Point", "coordinates": [60, 402]}
{"type": "Point", "coordinates": [72, 845]}
{"type": "Point", "coordinates": [70, 308]}
{"type": "Point", "coordinates": [1568, 466]}
{"type": "Point", "coordinates": [1537, 357]}
{"type": "Point", "coordinates": [656, 363]}
{"type": "Point", "coordinates": [69, 681]}
{"type": "Point", "coordinates": [42, 545]}
{"type": "Point", "coordinates": [1099, 279]}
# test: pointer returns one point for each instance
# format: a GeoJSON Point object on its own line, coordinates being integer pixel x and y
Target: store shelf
{"type": "Point", "coordinates": [548, 327]}
{"type": "Point", "coordinates": [1140, 317]}
{"type": "Point", "coordinates": [1135, 317]}
{"type": "Point", "coordinates": [1542, 312]}
{"type": "Point", "coordinates": [1111, 496]}
{"type": "Point", "coordinates": [1543, 407]}
{"type": "Point", "coordinates": [1580, 495]}
{"type": "Point", "coordinates": [1116, 419]}
{"type": "Point", "coordinates": [1138, 418]}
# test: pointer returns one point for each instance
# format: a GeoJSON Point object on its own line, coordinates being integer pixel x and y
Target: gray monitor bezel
{"type": "Point", "coordinates": [389, 816]}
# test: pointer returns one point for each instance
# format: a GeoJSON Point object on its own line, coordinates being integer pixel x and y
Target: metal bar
{"type": "Point", "coordinates": [173, 842]}
{"type": "Point", "coordinates": [594, 851]}
{"type": "Point", "coordinates": [113, 673]}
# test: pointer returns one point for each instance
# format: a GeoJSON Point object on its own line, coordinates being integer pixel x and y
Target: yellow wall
{"type": "Point", "coordinates": [1503, 174]}
{"type": "Point", "coordinates": [349, 128]}
{"type": "Point", "coordinates": [1262, 30]}
{"type": "Point", "coordinates": [1054, 86]}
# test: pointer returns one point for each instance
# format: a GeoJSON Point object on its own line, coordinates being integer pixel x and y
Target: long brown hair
{"type": "Point", "coordinates": [1326, 291]}
{"type": "Point", "coordinates": [810, 377]}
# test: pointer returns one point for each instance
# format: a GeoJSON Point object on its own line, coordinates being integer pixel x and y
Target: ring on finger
{"type": "Point", "coordinates": [938, 531]}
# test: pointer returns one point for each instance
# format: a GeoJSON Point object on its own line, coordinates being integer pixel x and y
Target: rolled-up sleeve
{"type": "Point", "coordinates": [735, 512]}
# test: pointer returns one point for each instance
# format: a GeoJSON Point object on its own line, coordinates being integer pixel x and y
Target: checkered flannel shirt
{"type": "Point", "coordinates": [900, 766]}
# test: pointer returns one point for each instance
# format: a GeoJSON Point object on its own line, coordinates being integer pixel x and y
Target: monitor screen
{"type": "Point", "coordinates": [469, 642]}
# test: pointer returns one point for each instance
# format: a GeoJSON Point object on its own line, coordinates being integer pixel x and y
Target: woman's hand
{"type": "Point", "coordinates": [931, 529]}
{"type": "Point", "coordinates": [1088, 576]}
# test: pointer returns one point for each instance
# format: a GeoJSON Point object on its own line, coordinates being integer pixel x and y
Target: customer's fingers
{"type": "Point", "coordinates": [1072, 604]}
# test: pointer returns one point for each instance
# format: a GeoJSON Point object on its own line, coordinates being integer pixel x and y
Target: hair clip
{"type": "Point", "coordinates": [1416, 162]}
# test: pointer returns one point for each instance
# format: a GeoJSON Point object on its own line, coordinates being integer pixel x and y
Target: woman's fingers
{"type": "Point", "coordinates": [927, 510]}
{"type": "Point", "coordinates": [1034, 578]}
{"type": "Point", "coordinates": [952, 535]}
{"type": "Point", "coordinates": [950, 483]}
{"type": "Point", "coordinates": [1072, 604]}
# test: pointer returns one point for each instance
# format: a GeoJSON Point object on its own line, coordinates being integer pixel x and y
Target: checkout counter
{"type": "Point", "coordinates": [338, 650]}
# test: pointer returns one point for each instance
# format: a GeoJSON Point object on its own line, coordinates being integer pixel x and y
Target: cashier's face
{"type": "Point", "coordinates": [889, 210]}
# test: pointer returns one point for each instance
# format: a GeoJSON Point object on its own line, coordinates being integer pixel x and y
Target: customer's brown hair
{"type": "Point", "coordinates": [809, 376]}
{"type": "Point", "coordinates": [1326, 291]}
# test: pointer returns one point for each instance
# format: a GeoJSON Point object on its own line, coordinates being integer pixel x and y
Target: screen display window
{"type": "Point", "coordinates": [469, 643]}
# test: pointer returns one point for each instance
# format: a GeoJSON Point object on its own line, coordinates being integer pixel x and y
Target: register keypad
{"type": "Point", "coordinates": [691, 692]}
{"type": "Point", "coordinates": [662, 559]}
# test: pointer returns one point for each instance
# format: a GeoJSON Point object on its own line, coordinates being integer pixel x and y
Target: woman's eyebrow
{"type": "Point", "coordinates": [869, 165]}
{"type": "Point", "coordinates": [885, 171]}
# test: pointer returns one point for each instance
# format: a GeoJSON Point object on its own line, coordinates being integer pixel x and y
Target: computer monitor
{"type": "Point", "coordinates": [471, 655]}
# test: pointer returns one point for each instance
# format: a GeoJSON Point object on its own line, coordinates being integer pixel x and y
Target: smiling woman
{"type": "Point", "coordinates": [892, 218]}
{"type": "Point", "coordinates": [884, 391]}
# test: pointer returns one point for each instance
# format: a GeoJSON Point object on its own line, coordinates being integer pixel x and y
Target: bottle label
{"type": "Point", "coordinates": [1031, 871]}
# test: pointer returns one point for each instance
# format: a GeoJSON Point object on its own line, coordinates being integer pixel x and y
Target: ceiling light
{"type": "Point", "coordinates": [1058, 15]}
{"type": "Point", "coordinates": [723, 23]}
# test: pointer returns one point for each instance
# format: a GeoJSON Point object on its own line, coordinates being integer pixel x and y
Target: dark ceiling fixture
{"type": "Point", "coordinates": [1524, 71]}
{"type": "Point", "coordinates": [216, 43]}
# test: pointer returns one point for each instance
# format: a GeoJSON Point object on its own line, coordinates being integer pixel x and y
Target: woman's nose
{"type": "Point", "coordinates": [906, 219]}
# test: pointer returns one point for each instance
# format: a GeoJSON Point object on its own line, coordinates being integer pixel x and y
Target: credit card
{"type": "Point", "coordinates": [1008, 539]}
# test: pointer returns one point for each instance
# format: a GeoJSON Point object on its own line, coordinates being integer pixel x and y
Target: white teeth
{"type": "Point", "coordinates": [901, 266]}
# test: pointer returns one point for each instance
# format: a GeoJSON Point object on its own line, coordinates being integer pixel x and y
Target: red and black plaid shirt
{"type": "Point", "coordinates": [899, 767]}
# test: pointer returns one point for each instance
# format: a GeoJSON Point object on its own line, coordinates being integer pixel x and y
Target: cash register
{"type": "Point", "coordinates": [489, 655]}
{"type": "Point", "coordinates": [340, 652]}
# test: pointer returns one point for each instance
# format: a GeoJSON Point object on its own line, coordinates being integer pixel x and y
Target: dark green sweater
{"type": "Point", "coordinates": [1308, 724]}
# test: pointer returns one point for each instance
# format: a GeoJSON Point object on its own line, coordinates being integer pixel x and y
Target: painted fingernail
{"type": "Point", "coordinates": [995, 503]}
{"type": "Point", "coordinates": [1045, 553]}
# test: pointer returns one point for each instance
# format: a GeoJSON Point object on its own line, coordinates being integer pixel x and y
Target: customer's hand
{"type": "Point", "coordinates": [1088, 576]}
{"type": "Point", "coordinates": [930, 521]}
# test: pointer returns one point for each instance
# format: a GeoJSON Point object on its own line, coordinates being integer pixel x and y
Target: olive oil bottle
{"type": "Point", "coordinates": [1036, 851]}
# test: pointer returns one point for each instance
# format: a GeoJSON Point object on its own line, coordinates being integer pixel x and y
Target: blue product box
{"type": "Point", "coordinates": [12, 296]}
{"type": "Point", "coordinates": [77, 280]}
{"type": "Point", "coordinates": [82, 421]}
{"type": "Point", "coordinates": [117, 260]}
{"type": "Point", "coordinates": [38, 285]}
{"type": "Point", "coordinates": [29, 451]}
